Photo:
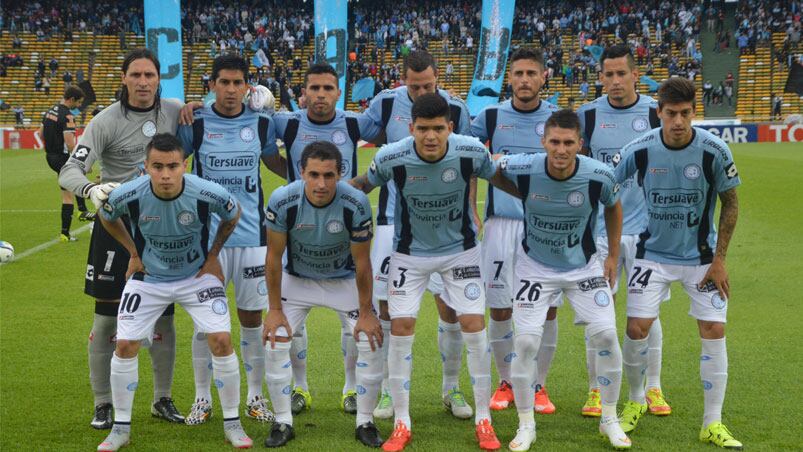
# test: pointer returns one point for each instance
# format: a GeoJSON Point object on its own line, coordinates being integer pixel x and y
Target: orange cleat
{"type": "Point", "coordinates": [486, 436]}
{"type": "Point", "coordinates": [399, 439]}
{"type": "Point", "coordinates": [656, 403]}
{"type": "Point", "coordinates": [542, 403]}
{"type": "Point", "coordinates": [503, 396]}
{"type": "Point", "coordinates": [593, 406]}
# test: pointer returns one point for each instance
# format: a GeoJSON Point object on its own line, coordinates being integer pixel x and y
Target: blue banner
{"type": "Point", "coordinates": [331, 22]}
{"type": "Point", "coordinates": [652, 85]}
{"type": "Point", "coordinates": [595, 51]}
{"type": "Point", "coordinates": [363, 89]}
{"type": "Point", "coordinates": [163, 37]}
{"type": "Point", "coordinates": [497, 21]}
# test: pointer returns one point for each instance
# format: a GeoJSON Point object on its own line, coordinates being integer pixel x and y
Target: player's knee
{"type": "Point", "coordinates": [472, 323]}
{"type": "Point", "coordinates": [551, 313]}
{"type": "Point", "coordinates": [249, 319]}
{"type": "Point", "coordinates": [403, 326]}
{"type": "Point", "coordinates": [126, 349]}
{"type": "Point", "coordinates": [638, 329]}
{"type": "Point", "coordinates": [526, 345]}
{"type": "Point", "coordinates": [604, 339]}
{"type": "Point", "coordinates": [711, 330]}
{"type": "Point", "coordinates": [219, 344]}
{"type": "Point", "coordinates": [500, 315]}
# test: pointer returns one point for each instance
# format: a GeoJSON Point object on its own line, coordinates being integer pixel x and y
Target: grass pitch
{"type": "Point", "coordinates": [46, 402]}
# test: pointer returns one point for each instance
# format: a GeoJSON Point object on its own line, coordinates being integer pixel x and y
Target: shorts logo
{"type": "Point", "coordinates": [539, 128]}
{"type": "Point", "coordinates": [247, 134]}
{"type": "Point", "coordinates": [398, 292]}
{"type": "Point", "coordinates": [219, 307]}
{"type": "Point", "coordinates": [708, 287]}
{"type": "Point", "coordinates": [575, 199]}
{"type": "Point", "coordinates": [407, 385]}
{"type": "Point", "coordinates": [361, 389]}
{"type": "Point", "coordinates": [334, 227]}
{"type": "Point", "coordinates": [640, 124]}
{"type": "Point", "coordinates": [691, 171]}
{"type": "Point", "coordinates": [602, 299]}
{"type": "Point", "coordinates": [449, 175]}
{"type": "Point", "coordinates": [149, 128]}
{"type": "Point", "coordinates": [186, 218]}
{"type": "Point", "coordinates": [718, 302]}
{"type": "Point", "coordinates": [338, 137]}
{"type": "Point", "coordinates": [102, 277]}
{"type": "Point", "coordinates": [353, 315]}
{"type": "Point", "coordinates": [210, 294]}
{"type": "Point", "coordinates": [470, 272]}
{"type": "Point", "coordinates": [705, 358]}
{"type": "Point", "coordinates": [286, 390]}
{"type": "Point", "coordinates": [262, 288]}
{"type": "Point", "coordinates": [592, 283]}
{"type": "Point", "coordinates": [132, 386]}
{"type": "Point", "coordinates": [257, 271]}
{"type": "Point", "coordinates": [525, 305]}
{"type": "Point", "coordinates": [472, 291]}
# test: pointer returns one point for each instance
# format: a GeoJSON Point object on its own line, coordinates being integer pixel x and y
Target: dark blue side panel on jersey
{"type": "Point", "coordinates": [197, 141]}
{"type": "Point", "coordinates": [203, 218]}
{"type": "Point", "coordinates": [704, 228]}
{"type": "Point", "coordinates": [469, 237]}
{"type": "Point", "coordinates": [406, 233]}
{"type": "Point", "coordinates": [292, 214]}
{"type": "Point", "coordinates": [523, 183]}
{"type": "Point", "coordinates": [589, 247]}
{"type": "Point", "coordinates": [289, 137]}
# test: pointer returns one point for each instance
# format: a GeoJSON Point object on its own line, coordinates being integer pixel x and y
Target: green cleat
{"type": "Point", "coordinates": [631, 413]}
{"type": "Point", "coordinates": [300, 400]}
{"type": "Point", "coordinates": [348, 402]}
{"type": "Point", "coordinates": [718, 434]}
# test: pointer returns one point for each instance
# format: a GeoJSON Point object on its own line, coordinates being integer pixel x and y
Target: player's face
{"type": "Point", "coordinates": [526, 78]}
{"type": "Point", "coordinates": [142, 81]}
{"type": "Point", "coordinates": [419, 83]}
{"type": "Point", "coordinates": [676, 122]}
{"type": "Point", "coordinates": [619, 80]}
{"type": "Point", "coordinates": [321, 93]}
{"type": "Point", "coordinates": [230, 89]}
{"type": "Point", "coordinates": [320, 180]}
{"type": "Point", "coordinates": [562, 146]}
{"type": "Point", "coordinates": [166, 170]}
{"type": "Point", "coordinates": [431, 136]}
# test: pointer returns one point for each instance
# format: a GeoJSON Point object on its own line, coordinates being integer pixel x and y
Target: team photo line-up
{"type": "Point", "coordinates": [624, 185]}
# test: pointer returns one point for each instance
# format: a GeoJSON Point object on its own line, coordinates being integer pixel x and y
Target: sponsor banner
{"type": "Point", "coordinates": [24, 139]}
{"type": "Point", "coordinates": [163, 37]}
{"type": "Point", "coordinates": [746, 133]}
{"type": "Point", "coordinates": [777, 133]}
{"type": "Point", "coordinates": [331, 38]}
{"type": "Point", "coordinates": [497, 21]}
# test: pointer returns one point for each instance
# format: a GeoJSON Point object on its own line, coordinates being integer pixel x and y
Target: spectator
{"type": "Point", "coordinates": [37, 83]}
{"type": "Point", "coordinates": [205, 78]}
{"type": "Point", "coordinates": [46, 85]}
{"type": "Point", "coordinates": [584, 90]}
{"type": "Point", "coordinates": [777, 102]}
{"type": "Point", "coordinates": [728, 89]}
{"type": "Point", "coordinates": [67, 78]}
{"type": "Point", "coordinates": [449, 72]}
{"type": "Point", "coordinates": [19, 114]}
{"type": "Point", "coordinates": [708, 87]}
{"type": "Point", "coordinates": [54, 66]}
{"type": "Point", "coordinates": [597, 89]}
{"type": "Point", "coordinates": [79, 76]}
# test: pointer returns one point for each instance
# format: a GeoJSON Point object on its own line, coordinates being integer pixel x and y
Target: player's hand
{"type": "Point", "coordinates": [98, 194]}
{"type": "Point", "coordinates": [273, 321]}
{"type": "Point", "coordinates": [368, 323]}
{"type": "Point", "coordinates": [212, 267]}
{"type": "Point", "coordinates": [719, 276]}
{"type": "Point", "coordinates": [186, 116]}
{"type": "Point", "coordinates": [609, 270]}
{"type": "Point", "coordinates": [135, 265]}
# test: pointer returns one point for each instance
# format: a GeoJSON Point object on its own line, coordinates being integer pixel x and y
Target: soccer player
{"type": "Point", "coordinates": [227, 141]}
{"type": "Point", "coordinates": [682, 170]}
{"type": "Point", "coordinates": [512, 127]}
{"type": "Point", "coordinates": [322, 226]}
{"type": "Point", "coordinates": [391, 110]}
{"type": "Point", "coordinates": [117, 138]}
{"type": "Point", "coordinates": [435, 233]}
{"type": "Point", "coordinates": [561, 193]}
{"type": "Point", "coordinates": [608, 123]}
{"type": "Point", "coordinates": [170, 261]}
{"type": "Point", "coordinates": [322, 121]}
{"type": "Point", "coordinates": [58, 133]}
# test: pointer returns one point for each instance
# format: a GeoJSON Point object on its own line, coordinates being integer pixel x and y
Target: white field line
{"type": "Point", "coordinates": [46, 245]}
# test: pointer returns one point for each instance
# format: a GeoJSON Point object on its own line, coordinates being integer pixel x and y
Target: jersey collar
{"type": "Point", "coordinates": [427, 161]}
{"type": "Point", "coordinates": [320, 123]}
{"type": "Point", "coordinates": [576, 168]}
{"type": "Point", "coordinates": [228, 116]}
{"type": "Point", "coordinates": [680, 148]}
{"type": "Point", "coordinates": [518, 110]}
{"type": "Point", "coordinates": [624, 107]}
{"type": "Point", "coordinates": [183, 185]}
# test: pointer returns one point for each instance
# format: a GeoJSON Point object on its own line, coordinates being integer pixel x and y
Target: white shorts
{"type": "Point", "coordinates": [627, 253]}
{"type": "Point", "coordinates": [299, 295]}
{"type": "Point", "coordinates": [143, 303]}
{"type": "Point", "coordinates": [537, 285]}
{"type": "Point", "coordinates": [461, 277]}
{"type": "Point", "coordinates": [382, 248]}
{"type": "Point", "coordinates": [245, 267]}
{"type": "Point", "coordinates": [649, 285]}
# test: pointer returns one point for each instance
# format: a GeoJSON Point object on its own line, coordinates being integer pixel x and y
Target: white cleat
{"type": "Point", "coordinates": [237, 437]}
{"type": "Point", "coordinates": [116, 439]}
{"type": "Point", "coordinates": [611, 429]}
{"type": "Point", "coordinates": [525, 437]}
{"type": "Point", "coordinates": [456, 403]}
{"type": "Point", "coordinates": [384, 408]}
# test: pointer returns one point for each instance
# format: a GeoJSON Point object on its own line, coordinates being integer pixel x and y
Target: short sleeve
{"type": "Point", "coordinates": [374, 111]}
{"type": "Point", "coordinates": [225, 204]}
{"type": "Point", "coordinates": [726, 176]}
{"type": "Point", "coordinates": [185, 136]}
{"type": "Point", "coordinates": [276, 217]}
{"type": "Point", "coordinates": [484, 167]}
{"type": "Point", "coordinates": [368, 128]}
{"type": "Point", "coordinates": [465, 119]}
{"type": "Point", "coordinates": [267, 136]}
{"type": "Point", "coordinates": [362, 223]}
{"type": "Point", "coordinates": [478, 128]}
{"type": "Point", "coordinates": [378, 173]}
{"type": "Point", "coordinates": [610, 190]}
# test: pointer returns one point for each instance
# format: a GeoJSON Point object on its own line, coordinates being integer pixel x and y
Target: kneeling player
{"type": "Point", "coordinates": [170, 214]}
{"type": "Point", "coordinates": [325, 226]}
{"type": "Point", "coordinates": [561, 193]}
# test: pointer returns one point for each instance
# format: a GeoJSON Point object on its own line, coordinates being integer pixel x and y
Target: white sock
{"type": "Point", "coordinates": [124, 379]}
{"type": "Point", "coordinates": [400, 369]}
{"type": "Point", "coordinates": [655, 343]}
{"type": "Point", "coordinates": [591, 365]}
{"type": "Point", "coordinates": [500, 336]}
{"type": "Point", "coordinates": [523, 370]}
{"type": "Point", "coordinates": [349, 348]}
{"type": "Point", "coordinates": [298, 356]}
{"type": "Point", "coordinates": [634, 358]}
{"type": "Point", "coordinates": [385, 347]}
{"type": "Point", "coordinates": [714, 373]}
{"type": "Point", "coordinates": [609, 369]}
{"type": "Point", "coordinates": [253, 353]}
{"type": "Point", "coordinates": [163, 356]}
{"type": "Point", "coordinates": [549, 343]}
{"type": "Point", "coordinates": [227, 380]}
{"type": "Point", "coordinates": [369, 378]}
{"type": "Point", "coordinates": [450, 345]}
{"type": "Point", "coordinates": [478, 357]}
{"type": "Point", "coordinates": [201, 366]}
{"type": "Point", "coordinates": [279, 375]}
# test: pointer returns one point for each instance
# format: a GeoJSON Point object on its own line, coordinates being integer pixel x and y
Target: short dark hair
{"type": "Point", "coordinates": [74, 93]}
{"type": "Point", "coordinates": [565, 119]}
{"type": "Point", "coordinates": [229, 61]}
{"type": "Point", "coordinates": [618, 51]}
{"type": "Point", "coordinates": [321, 150]}
{"type": "Point", "coordinates": [430, 106]}
{"type": "Point", "coordinates": [321, 68]}
{"type": "Point", "coordinates": [419, 61]}
{"type": "Point", "coordinates": [526, 53]}
{"type": "Point", "coordinates": [676, 90]}
{"type": "Point", "coordinates": [164, 142]}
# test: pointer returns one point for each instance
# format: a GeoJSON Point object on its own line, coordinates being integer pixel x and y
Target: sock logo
{"type": "Point", "coordinates": [132, 386]}
{"type": "Point", "coordinates": [707, 385]}
{"type": "Point", "coordinates": [509, 357]}
{"type": "Point", "coordinates": [218, 383]}
{"type": "Point", "coordinates": [286, 390]}
{"type": "Point", "coordinates": [361, 389]}
{"type": "Point", "coordinates": [302, 354]}
{"type": "Point", "coordinates": [603, 381]}
{"type": "Point", "coordinates": [406, 385]}
{"type": "Point", "coordinates": [604, 353]}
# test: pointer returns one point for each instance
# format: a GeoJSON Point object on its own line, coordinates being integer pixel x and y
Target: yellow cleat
{"type": "Point", "coordinates": [719, 435]}
{"type": "Point", "coordinates": [656, 403]}
{"type": "Point", "coordinates": [593, 406]}
{"type": "Point", "coordinates": [631, 413]}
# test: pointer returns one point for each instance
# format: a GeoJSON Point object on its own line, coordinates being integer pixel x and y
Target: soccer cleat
{"type": "Point", "coordinates": [258, 409]}
{"type": "Point", "coordinates": [368, 434]}
{"type": "Point", "coordinates": [237, 436]}
{"type": "Point", "coordinates": [348, 402]}
{"type": "Point", "coordinates": [118, 438]}
{"type": "Point", "coordinates": [656, 403]}
{"type": "Point", "coordinates": [384, 408]}
{"type": "Point", "coordinates": [455, 401]}
{"type": "Point", "coordinates": [503, 396]}
{"type": "Point", "coordinates": [525, 436]}
{"type": "Point", "coordinates": [87, 216]}
{"type": "Point", "coordinates": [631, 413]}
{"type": "Point", "coordinates": [165, 409]}
{"type": "Point", "coordinates": [612, 430]}
{"type": "Point", "coordinates": [103, 419]}
{"type": "Point", "coordinates": [200, 412]}
{"type": "Point", "coordinates": [67, 238]}
{"type": "Point", "coordinates": [593, 406]}
{"type": "Point", "coordinates": [486, 436]}
{"type": "Point", "coordinates": [300, 400]}
{"type": "Point", "coordinates": [719, 435]}
{"type": "Point", "coordinates": [280, 434]}
{"type": "Point", "coordinates": [399, 439]}
{"type": "Point", "coordinates": [542, 403]}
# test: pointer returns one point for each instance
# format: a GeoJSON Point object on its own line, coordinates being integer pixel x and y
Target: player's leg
{"type": "Point", "coordinates": [546, 352]}
{"type": "Point", "coordinates": [450, 347]}
{"type": "Point", "coordinates": [66, 215]}
{"type": "Point", "coordinates": [201, 409]}
{"type": "Point", "coordinates": [301, 398]}
{"type": "Point", "coordinates": [381, 248]}
{"type": "Point", "coordinates": [655, 397]}
{"type": "Point", "coordinates": [348, 395]}
{"type": "Point", "coordinates": [163, 361]}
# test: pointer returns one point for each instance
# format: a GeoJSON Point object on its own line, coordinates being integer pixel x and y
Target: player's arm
{"type": "Point", "coordinates": [728, 214]}
{"type": "Point", "coordinates": [275, 318]}
{"type": "Point", "coordinates": [69, 132]}
{"type": "Point", "coordinates": [73, 174]}
{"type": "Point", "coordinates": [613, 227]}
{"type": "Point", "coordinates": [110, 219]}
{"type": "Point", "coordinates": [212, 264]}
{"type": "Point", "coordinates": [276, 163]}
{"type": "Point", "coordinates": [361, 182]}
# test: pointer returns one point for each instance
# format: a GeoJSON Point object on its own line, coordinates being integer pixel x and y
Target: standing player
{"type": "Point", "coordinates": [561, 193]}
{"type": "Point", "coordinates": [170, 261]}
{"type": "Point", "coordinates": [608, 123]}
{"type": "Point", "coordinates": [513, 127]}
{"type": "Point", "coordinates": [323, 228]}
{"type": "Point", "coordinates": [117, 137]}
{"type": "Point", "coordinates": [681, 169]}
{"type": "Point", "coordinates": [58, 133]}
{"type": "Point", "coordinates": [227, 141]}
{"type": "Point", "coordinates": [391, 110]}
{"type": "Point", "coordinates": [322, 121]}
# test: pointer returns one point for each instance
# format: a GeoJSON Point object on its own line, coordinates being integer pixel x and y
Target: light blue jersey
{"type": "Point", "coordinates": [391, 110]}
{"type": "Point", "coordinates": [560, 215]}
{"type": "Point", "coordinates": [227, 150]}
{"type": "Point", "coordinates": [345, 130]}
{"type": "Point", "coordinates": [171, 236]}
{"type": "Point", "coordinates": [680, 187]}
{"type": "Point", "coordinates": [606, 129]}
{"type": "Point", "coordinates": [433, 214]}
{"type": "Point", "coordinates": [319, 238]}
{"type": "Point", "coordinates": [510, 131]}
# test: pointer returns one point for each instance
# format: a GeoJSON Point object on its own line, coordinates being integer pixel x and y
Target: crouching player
{"type": "Point", "coordinates": [325, 227]}
{"type": "Point", "coordinates": [170, 213]}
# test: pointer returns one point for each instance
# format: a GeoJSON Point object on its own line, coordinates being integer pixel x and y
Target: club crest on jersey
{"type": "Point", "coordinates": [718, 302]}
{"type": "Point", "coordinates": [449, 175]}
{"type": "Point", "coordinates": [339, 137]}
{"type": "Point", "coordinates": [334, 227]}
{"type": "Point", "coordinates": [247, 134]}
{"type": "Point", "coordinates": [185, 217]}
{"type": "Point", "coordinates": [640, 124]}
{"type": "Point", "coordinates": [149, 128]}
{"type": "Point", "coordinates": [691, 171]}
{"type": "Point", "coordinates": [575, 199]}
{"type": "Point", "coordinates": [539, 128]}
{"type": "Point", "coordinates": [472, 291]}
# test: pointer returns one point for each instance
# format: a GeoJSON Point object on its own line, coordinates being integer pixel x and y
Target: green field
{"type": "Point", "coordinates": [46, 402]}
